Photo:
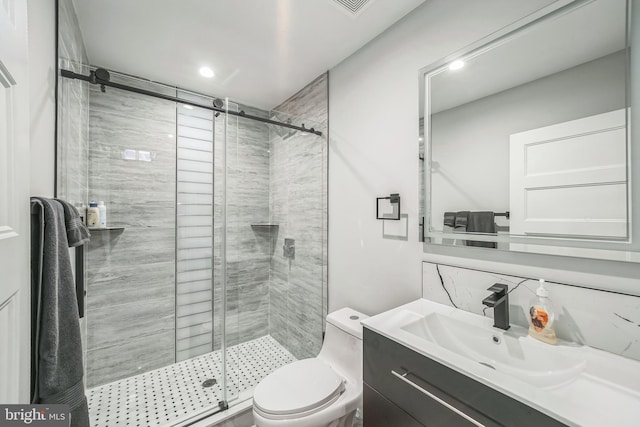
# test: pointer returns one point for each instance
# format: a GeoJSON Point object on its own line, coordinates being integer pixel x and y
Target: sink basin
{"type": "Point", "coordinates": [512, 352]}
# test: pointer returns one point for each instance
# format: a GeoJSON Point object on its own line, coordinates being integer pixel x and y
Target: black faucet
{"type": "Point", "coordinates": [499, 300]}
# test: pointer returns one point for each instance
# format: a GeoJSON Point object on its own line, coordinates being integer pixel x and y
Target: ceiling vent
{"type": "Point", "coordinates": [352, 7]}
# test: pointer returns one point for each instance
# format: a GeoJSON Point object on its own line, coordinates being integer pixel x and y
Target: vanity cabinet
{"type": "Point", "coordinates": [405, 388]}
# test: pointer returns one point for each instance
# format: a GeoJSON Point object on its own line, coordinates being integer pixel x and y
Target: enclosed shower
{"type": "Point", "coordinates": [211, 270]}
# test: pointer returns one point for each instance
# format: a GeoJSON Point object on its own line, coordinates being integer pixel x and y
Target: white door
{"type": "Point", "coordinates": [570, 179]}
{"type": "Point", "coordinates": [14, 204]}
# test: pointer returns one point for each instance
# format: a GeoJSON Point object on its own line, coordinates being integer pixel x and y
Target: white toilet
{"type": "Point", "coordinates": [319, 392]}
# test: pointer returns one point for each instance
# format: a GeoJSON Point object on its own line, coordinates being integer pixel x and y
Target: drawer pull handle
{"type": "Point", "coordinates": [403, 377]}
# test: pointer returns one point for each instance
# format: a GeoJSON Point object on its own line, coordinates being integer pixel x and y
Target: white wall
{"type": "Point", "coordinates": [42, 78]}
{"type": "Point", "coordinates": [373, 107]}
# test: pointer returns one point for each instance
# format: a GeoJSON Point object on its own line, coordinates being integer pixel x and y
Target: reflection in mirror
{"type": "Point", "coordinates": [526, 136]}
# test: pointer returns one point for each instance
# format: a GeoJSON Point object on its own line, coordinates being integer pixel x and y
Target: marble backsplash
{"type": "Point", "coordinates": [605, 320]}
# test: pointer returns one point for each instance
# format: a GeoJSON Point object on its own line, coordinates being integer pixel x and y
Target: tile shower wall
{"type": "Point", "coordinates": [605, 320]}
{"type": "Point", "coordinates": [248, 247]}
{"type": "Point", "coordinates": [298, 194]}
{"type": "Point", "coordinates": [131, 272]}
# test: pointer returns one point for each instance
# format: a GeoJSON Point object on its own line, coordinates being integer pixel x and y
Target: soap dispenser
{"type": "Point", "coordinates": [542, 316]}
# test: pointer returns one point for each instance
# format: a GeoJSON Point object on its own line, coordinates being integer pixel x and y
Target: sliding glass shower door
{"type": "Point", "coordinates": [211, 270]}
{"type": "Point", "coordinates": [207, 145]}
{"type": "Point", "coordinates": [153, 337]}
{"type": "Point", "coordinates": [130, 264]}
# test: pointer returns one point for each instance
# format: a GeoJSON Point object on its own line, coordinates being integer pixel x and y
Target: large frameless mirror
{"type": "Point", "coordinates": [527, 137]}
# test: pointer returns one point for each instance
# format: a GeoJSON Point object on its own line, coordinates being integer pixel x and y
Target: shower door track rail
{"type": "Point", "coordinates": [93, 79]}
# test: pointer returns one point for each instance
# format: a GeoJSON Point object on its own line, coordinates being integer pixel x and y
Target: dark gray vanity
{"type": "Point", "coordinates": [404, 388]}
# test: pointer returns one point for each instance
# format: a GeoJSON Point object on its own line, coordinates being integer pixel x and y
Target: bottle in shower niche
{"type": "Point", "coordinates": [102, 209]}
{"type": "Point", "coordinates": [82, 211]}
{"type": "Point", "coordinates": [93, 215]}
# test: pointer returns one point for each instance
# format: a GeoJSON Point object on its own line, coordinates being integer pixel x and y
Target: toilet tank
{"type": "Point", "coordinates": [342, 346]}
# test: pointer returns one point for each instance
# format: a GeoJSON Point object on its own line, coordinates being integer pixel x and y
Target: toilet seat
{"type": "Point", "coordinates": [300, 388]}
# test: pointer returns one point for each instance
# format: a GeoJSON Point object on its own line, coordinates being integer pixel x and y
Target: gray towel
{"type": "Point", "coordinates": [57, 350]}
{"type": "Point", "coordinates": [77, 233]}
{"type": "Point", "coordinates": [481, 222]}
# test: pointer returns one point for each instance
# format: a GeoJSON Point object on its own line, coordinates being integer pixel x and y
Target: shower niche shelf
{"type": "Point", "coordinates": [265, 225]}
{"type": "Point", "coordinates": [116, 229]}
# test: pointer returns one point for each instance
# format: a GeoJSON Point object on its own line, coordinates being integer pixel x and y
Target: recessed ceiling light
{"type": "Point", "coordinates": [187, 106]}
{"type": "Point", "coordinates": [170, 135]}
{"type": "Point", "coordinates": [456, 65]}
{"type": "Point", "coordinates": [206, 72]}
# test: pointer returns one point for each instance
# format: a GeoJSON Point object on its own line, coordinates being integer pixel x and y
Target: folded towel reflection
{"type": "Point", "coordinates": [461, 221]}
{"type": "Point", "coordinates": [481, 222]}
{"type": "Point", "coordinates": [449, 219]}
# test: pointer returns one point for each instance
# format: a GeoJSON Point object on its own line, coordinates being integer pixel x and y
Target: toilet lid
{"type": "Point", "coordinates": [298, 387]}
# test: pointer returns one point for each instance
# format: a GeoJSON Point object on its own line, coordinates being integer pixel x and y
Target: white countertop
{"type": "Point", "coordinates": [605, 393]}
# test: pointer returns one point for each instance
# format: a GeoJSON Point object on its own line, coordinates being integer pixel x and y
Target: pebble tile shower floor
{"type": "Point", "coordinates": [168, 395]}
